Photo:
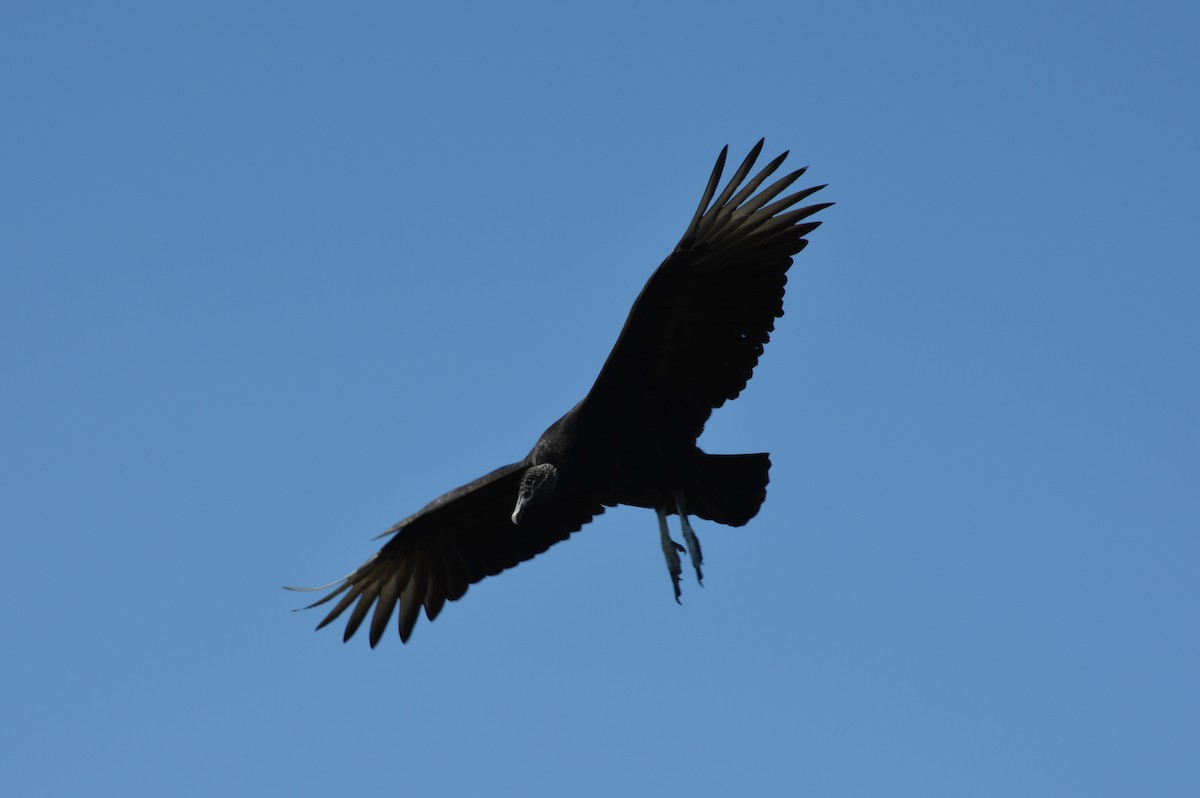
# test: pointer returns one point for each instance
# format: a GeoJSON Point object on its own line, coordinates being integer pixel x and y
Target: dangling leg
{"type": "Point", "coordinates": [671, 551]}
{"type": "Point", "coordinates": [689, 536]}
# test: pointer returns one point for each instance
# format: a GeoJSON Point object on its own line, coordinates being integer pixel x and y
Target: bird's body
{"type": "Point", "coordinates": [690, 344]}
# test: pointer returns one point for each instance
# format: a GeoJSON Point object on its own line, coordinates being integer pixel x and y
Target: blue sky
{"type": "Point", "coordinates": [273, 276]}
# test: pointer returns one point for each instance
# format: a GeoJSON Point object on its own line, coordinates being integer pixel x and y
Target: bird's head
{"type": "Point", "coordinates": [537, 484]}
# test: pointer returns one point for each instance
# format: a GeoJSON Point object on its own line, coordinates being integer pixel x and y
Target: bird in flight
{"type": "Point", "coordinates": [689, 345]}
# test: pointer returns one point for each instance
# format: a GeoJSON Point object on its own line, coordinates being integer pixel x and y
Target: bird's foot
{"type": "Point", "coordinates": [671, 551]}
{"type": "Point", "coordinates": [693, 549]}
{"type": "Point", "coordinates": [689, 537]}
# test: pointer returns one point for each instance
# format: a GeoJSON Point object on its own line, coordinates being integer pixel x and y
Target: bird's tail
{"type": "Point", "coordinates": [728, 488]}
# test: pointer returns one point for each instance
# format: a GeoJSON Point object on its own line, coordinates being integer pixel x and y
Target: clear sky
{"type": "Point", "coordinates": [274, 275]}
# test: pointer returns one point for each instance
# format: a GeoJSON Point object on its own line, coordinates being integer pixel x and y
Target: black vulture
{"type": "Point", "coordinates": [689, 345]}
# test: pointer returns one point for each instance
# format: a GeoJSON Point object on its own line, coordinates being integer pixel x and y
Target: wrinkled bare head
{"type": "Point", "coordinates": [537, 484]}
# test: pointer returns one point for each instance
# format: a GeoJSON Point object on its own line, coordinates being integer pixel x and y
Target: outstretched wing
{"type": "Point", "coordinates": [453, 542]}
{"type": "Point", "coordinates": [696, 331]}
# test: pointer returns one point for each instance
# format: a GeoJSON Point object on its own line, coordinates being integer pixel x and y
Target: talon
{"type": "Point", "coordinates": [671, 551]}
{"type": "Point", "coordinates": [689, 537]}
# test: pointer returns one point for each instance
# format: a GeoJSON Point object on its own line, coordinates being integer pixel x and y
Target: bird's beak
{"type": "Point", "coordinates": [519, 510]}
